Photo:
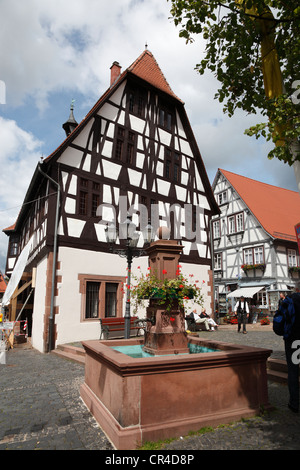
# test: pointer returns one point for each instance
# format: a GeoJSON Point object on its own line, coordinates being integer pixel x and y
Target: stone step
{"type": "Point", "coordinates": [276, 376]}
{"type": "Point", "coordinates": [277, 364]}
{"type": "Point", "coordinates": [72, 353]}
{"type": "Point", "coordinates": [277, 370]}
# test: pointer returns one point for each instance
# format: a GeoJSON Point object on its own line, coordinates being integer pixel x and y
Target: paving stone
{"type": "Point", "coordinates": [41, 406]}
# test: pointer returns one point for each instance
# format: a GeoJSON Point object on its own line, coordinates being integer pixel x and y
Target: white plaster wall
{"type": "Point", "coordinates": [39, 306]}
{"type": "Point", "coordinates": [73, 262]}
{"type": "Point", "coordinates": [200, 273]}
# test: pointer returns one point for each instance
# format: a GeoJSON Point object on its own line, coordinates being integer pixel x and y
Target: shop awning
{"type": "Point", "coordinates": [247, 292]}
{"type": "Point", "coordinates": [17, 273]}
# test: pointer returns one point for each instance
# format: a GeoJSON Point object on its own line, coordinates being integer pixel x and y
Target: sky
{"type": "Point", "coordinates": [56, 51]}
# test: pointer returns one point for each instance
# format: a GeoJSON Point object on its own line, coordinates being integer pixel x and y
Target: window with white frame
{"type": "Point", "coordinates": [258, 255]}
{"type": "Point", "coordinates": [218, 261]}
{"type": "Point", "coordinates": [248, 256]}
{"type": "Point", "coordinates": [292, 258]}
{"type": "Point", "coordinates": [254, 255]}
{"type": "Point", "coordinates": [231, 224]}
{"type": "Point", "coordinates": [222, 197]}
{"type": "Point", "coordinates": [262, 299]}
{"type": "Point", "coordinates": [239, 222]}
{"type": "Point", "coordinates": [216, 229]}
{"type": "Point", "coordinates": [235, 223]}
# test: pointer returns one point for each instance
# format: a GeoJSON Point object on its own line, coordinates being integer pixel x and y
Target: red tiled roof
{"type": "Point", "coordinates": [2, 284]}
{"type": "Point", "coordinates": [9, 229]}
{"type": "Point", "coordinates": [146, 67]}
{"type": "Point", "coordinates": [276, 209]}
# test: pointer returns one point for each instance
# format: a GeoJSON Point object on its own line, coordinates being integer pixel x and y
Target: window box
{"type": "Point", "coordinates": [253, 270]}
{"type": "Point", "coordinates": [294, 271]}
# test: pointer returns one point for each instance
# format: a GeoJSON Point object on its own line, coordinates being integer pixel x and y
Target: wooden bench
{"type": "Point", "coordinates": [115, 327]}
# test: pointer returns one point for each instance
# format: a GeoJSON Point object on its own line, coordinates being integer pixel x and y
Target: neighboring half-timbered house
{"type": "Point", "coordinates": [134, 152]}
{"type": "Point", "coordinates": [255, 245]}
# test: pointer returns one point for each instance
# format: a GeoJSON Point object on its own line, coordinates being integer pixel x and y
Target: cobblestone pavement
{"type": "Point", "coordinates": [41, 408]}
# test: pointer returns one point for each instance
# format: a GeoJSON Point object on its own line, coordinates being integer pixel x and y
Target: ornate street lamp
{"type": "Point", "coordinates": [128, 233]}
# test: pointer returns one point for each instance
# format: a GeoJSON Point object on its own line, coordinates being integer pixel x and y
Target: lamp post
{"type": "Point", "coordinates": [128, 233]}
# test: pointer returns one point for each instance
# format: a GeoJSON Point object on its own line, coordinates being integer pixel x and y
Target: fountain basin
{"type": "Point", "coordinates": [150, 398]}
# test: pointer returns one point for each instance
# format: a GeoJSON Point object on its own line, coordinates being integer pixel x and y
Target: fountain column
{"type": "Point", "coordinates": [165, 333]}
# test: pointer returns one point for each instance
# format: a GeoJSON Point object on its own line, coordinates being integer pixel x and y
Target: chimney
{"type": "Point", "coordinates": [115, 71]}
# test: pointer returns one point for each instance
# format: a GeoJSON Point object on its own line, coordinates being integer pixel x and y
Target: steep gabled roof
{"type": "Point", "coordinates": [276, 209]}
{"type": "Point", "coordinates": [146, 67]}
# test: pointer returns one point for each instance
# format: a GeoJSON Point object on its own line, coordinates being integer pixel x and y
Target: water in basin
{"type": "Point", "coordinates": [137, 350]}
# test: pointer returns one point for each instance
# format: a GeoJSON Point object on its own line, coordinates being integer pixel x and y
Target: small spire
{"type": "Point", "coordinates": [71, 123]}
{"type": "Point", "coordinates": [146, 46]}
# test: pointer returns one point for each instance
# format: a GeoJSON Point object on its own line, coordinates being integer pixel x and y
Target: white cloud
{"type": "Point", "coordinates": [18, 158]}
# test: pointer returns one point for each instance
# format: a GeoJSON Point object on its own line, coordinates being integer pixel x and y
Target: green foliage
{"type": "Point", "coordinates": [233, 55]}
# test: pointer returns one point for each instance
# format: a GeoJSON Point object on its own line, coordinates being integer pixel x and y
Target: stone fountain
{"type": "Point", "coordinates": [172, 391]}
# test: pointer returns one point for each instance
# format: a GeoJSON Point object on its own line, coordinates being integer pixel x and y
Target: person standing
{"type": "Point", "coordinates": [242, 310]}
{"type": "Point", "coordinates": [291, 343]}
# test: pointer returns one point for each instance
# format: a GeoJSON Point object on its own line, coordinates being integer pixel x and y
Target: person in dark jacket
{"type": "Point", "coordinates": [242, 310]}
{"type": "Point", "coordinates": [291, 344]}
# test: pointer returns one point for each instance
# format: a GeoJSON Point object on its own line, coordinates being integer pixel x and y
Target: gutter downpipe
{"type": "Point", "coordinates": [213, 271]}
{"type": "Point", "coordinates": [51, 317]}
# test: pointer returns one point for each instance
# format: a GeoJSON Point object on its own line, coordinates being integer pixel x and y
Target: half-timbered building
{"type": "Point", "coordinates": [255, 247]}
{"type": "Point", "coordinates": [134, 152]}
